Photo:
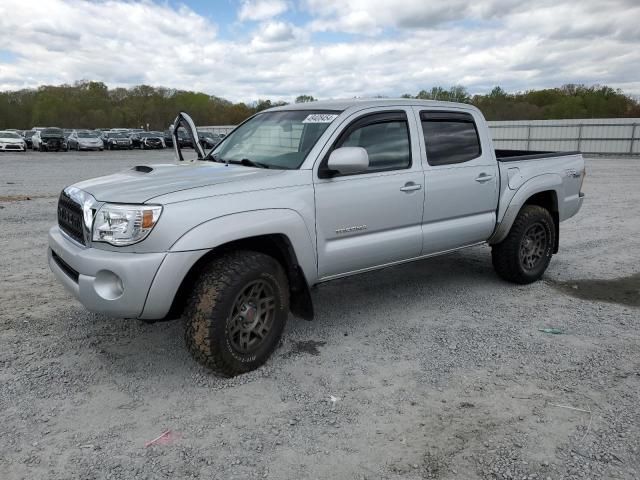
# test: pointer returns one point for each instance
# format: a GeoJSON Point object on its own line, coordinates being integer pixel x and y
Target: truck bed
{"type": "Point", "coordinates": [515, 155]}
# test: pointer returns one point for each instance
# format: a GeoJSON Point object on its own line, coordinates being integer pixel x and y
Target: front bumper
{"type": "Point", "coordinates": [149, 281]}
{"type": "Point", "coordinates": [12, 147]}
{"type": "Point", "coordinates": [91, 275]}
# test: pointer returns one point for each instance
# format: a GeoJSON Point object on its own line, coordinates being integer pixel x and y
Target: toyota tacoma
{"type": "Point", "coordinates": [232, 240]}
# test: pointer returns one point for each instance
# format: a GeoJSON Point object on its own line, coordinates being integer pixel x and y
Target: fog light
{"type": "Point", "coordinates": [108, 285]}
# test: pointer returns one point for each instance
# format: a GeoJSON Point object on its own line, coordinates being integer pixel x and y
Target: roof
{"type": "Point", "coordinates": [344, 104]}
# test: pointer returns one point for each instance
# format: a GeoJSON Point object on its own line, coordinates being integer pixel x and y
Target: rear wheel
{"type": "Point", "coordinates": [237, 312]}
{"type": "Point", "coordinates": [525, 254]}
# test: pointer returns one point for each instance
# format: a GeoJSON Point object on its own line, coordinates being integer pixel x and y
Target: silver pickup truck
{"type": "Point", "coordinates": [233, 239]}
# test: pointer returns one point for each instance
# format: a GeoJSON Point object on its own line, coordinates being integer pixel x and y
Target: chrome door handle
{"type": "Point", "coordinates": [410, 187]}
{"type": "Point", "coordinates": [483, 177]}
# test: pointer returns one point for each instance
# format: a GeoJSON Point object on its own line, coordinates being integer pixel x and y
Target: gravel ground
{"type": "Point", "coordinates": [435, 369]}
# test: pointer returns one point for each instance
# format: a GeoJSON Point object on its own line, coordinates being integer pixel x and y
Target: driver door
{"type": "Point", "coordinates": [374, 217]}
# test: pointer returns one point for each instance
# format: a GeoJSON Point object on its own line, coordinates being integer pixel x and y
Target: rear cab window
{"type": "Point", "coordinates": [450, 137]}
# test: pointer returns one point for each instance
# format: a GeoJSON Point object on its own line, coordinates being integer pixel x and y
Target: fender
{"type": "Point", "coordinates": [540, 183]}
{"type": "Point", "coordinates": [237, 226]}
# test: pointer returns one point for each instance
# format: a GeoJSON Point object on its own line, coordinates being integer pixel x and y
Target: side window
{"type": "Point", "coordinates": [449, 137]}
{"type": "Point", "coordinates": [384, 136]}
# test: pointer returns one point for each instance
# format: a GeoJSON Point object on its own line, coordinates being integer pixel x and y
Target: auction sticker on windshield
{"type": "Point", "coordinates": [320, 118]}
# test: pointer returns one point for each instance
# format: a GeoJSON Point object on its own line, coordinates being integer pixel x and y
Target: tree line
{"type": "Point", "coordinates": [88, 104]}
{"type": "Point", "coordinates": [568, 101]}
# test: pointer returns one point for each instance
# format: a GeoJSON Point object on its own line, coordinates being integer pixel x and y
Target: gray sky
{"type": "Point", "coordinates": [278, 49]}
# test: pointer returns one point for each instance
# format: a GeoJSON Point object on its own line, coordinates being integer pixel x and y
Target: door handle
{"type": "Point", "coordinates": [483, 177]}
{"type": "Point", "coordinates": [410, 187]}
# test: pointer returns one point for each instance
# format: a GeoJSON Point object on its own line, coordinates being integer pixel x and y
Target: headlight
{"type": "Point", "coordinates": [124, 224]}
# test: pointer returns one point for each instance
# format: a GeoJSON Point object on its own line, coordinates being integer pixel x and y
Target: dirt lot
{"type": "Point", "coordinates": [435, 369]}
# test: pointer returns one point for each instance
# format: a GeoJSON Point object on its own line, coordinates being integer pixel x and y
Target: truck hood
{"type": "Point", "coordinates": [143, 183]}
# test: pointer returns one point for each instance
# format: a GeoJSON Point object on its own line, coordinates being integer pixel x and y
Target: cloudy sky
{"type": "Point", "coordinates": [248, 49]}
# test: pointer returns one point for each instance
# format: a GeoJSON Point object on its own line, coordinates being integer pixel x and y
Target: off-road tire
{"type": "Point", "coordinates": [208, 314]}
{"type": "Point", "coordinates": [506, 255]}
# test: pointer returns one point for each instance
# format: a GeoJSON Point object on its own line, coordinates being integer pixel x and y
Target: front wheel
{"type": "Point", "coordinates": [525, 254]}
{"type": "Point", "coordinates": [237, 312]}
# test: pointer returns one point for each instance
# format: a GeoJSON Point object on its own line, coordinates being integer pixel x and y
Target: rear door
{"type": "Point", "coordinates": [371, 218]}
{"type": "Point", "coordinates": [461, 181]}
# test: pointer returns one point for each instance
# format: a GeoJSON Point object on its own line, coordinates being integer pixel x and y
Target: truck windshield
{"type": "Point", "coordinates": [275, 139]}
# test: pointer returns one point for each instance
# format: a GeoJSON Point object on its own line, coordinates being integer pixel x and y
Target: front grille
{"type": "Point", "coordinates": [70, 218]}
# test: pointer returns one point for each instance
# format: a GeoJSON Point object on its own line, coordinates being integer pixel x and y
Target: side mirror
{"type": "Point", "coordinates": [185, 121]}
{"type": "Point", "coordinates": [347, 160]}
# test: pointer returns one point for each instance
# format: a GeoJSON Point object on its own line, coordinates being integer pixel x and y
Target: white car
{"type": "Point", "coordinates": [12, 142]}
{"type": "Point", "coordinates": [84, 140]}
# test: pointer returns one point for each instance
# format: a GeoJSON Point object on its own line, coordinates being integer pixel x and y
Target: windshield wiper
{"type": "Point", "coordinates": [250, 163]}
{"type": "Point", "coordinates": [215, 158]}
{"type": "Point", "coordinates": [245, 161]}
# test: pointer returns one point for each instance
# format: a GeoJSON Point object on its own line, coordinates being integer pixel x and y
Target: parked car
{"type": "Point", "coordinates": [84, 140]}
{"type": "Point", "coordinates": [184, 140]}
{"type": "Point", "coordinates": [49, 139]}
{"type": "Point", "coordinates": [150, 140]}
{"type": "Point", "coordinates": [12, 142]}
{"type": "Point", "coordinates": [135, 139]}
{"type": "Point", "coordinates": [208, 139]}
{"type": "Point", "coordinates": [27, 134]}
{"type": "Point", "coordinates": [117, 141]}
{"type": "Point", "coordinates": [67, 132]}
{"type": "Point", "coordinates": [342, 188]}
{"type": "Point", "coordinates": [168, 138]}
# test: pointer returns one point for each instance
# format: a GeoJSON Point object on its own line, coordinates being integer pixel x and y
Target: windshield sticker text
{"type": "Point", "coordinates": [320, 118]}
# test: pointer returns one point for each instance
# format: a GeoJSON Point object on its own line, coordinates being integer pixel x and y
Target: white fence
{"type": "Point", "coordinates": [602, 136]}
{"type": "Point", "coordinates": [217, 129]}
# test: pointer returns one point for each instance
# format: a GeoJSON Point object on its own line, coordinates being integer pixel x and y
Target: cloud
{"type": "Point", "coordinates": [369, 17]}
{"type": "Point", "coordinates": [390, 50]}
{"type": "Point", "coordinates": [277, 36]}
{"type": "Point", "coordinates": [261, 9]}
